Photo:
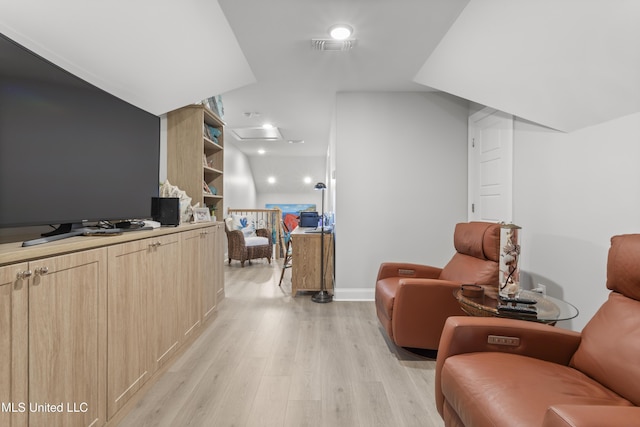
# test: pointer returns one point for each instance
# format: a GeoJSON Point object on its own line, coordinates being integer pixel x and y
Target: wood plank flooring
{"type": "Point", "coordinates": [268, 359]}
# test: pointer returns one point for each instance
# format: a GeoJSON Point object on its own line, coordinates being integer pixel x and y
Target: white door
{"type": "Point", "coordinates": [490, 166]}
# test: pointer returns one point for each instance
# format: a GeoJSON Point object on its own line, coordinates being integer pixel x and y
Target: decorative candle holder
{"type": "Point", "coordinates": [509, 277]}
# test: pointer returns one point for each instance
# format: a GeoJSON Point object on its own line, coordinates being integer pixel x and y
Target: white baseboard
{"type": "Point", "coordinates": [354, 294]}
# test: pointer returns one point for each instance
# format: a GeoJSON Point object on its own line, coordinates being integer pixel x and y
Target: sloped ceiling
{"type": "Point", "coordinates": [564, 64]}
{"type": "Point", "coordinates": [158, 55]}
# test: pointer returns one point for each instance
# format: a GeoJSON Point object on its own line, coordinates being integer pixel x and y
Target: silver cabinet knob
{"type": "Point", "coordinates": [22, 275]}
{"type": "Point", "coordinates": [41, 271]}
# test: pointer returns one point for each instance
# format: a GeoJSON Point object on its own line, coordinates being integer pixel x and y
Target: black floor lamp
{"type": "Point", "coordinates": [322, 296]}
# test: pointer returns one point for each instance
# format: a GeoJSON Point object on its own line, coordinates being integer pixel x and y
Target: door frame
{"type": "Point", "coordinates": [472, 170]}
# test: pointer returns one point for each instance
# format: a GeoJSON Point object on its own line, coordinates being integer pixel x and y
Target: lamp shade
{"type": "Point", "coordinates": [320, 186]}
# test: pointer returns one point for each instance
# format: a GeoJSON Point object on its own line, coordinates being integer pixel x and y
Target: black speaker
{"type": "Point", "coordinates": [166, 210]}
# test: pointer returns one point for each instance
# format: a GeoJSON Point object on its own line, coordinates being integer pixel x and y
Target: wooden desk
{"type": "Point", "coordinates": [305, 269]}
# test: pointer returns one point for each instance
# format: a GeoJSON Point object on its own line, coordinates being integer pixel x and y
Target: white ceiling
{"type": "Point", "coordinates": [296, 85]}
{"type": "Point", "coordinates": [565, 64]}
{"type": "Point", "coordinates": [156, 54]}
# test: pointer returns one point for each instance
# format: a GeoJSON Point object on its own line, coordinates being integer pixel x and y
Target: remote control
{"type": "Point", "coordinates": [518, 309]}
{"type": "Point", "coordinates": [519, 300]}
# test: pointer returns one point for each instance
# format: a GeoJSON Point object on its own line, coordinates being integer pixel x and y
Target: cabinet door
{"type": "Point", "coordinates": [190, 289]}
{"type": "Point", "coordinates": [127, 330]}
{"type": "Point", "coordinates": [163, 307]}
{"type": "Point", "coordinates": [209, 282]}
{"type": "Point", "coordinates": [13, 345]}
{"type": "Point", "coordinates": [66, 339]}
{"type": "Point", "coordinates": [218, 261]}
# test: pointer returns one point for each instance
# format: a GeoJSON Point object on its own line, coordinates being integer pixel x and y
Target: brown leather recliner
{"type": "Point", "coordinates": [413, 301]}
{"type": "Point", "coordinates": [553, 377]}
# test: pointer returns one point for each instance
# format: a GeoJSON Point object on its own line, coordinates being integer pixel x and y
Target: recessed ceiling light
{"type": "Point", "coordinates": [307, 180]}
{"type": "Point", "coordinates": [261, 151]}
{"type": "Point", "coordinates": [340, 31]}
{"type": "Point", "coordinates": [267, 126]}
{"type": "Point", "coordinates": [271, 180]}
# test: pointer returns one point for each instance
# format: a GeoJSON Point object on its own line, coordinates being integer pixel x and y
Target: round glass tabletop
{"type": "Point", "coordinates": [544, 309]}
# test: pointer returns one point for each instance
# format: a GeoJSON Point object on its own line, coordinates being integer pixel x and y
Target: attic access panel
{"type": "Point", "coordinates": [256, 133]}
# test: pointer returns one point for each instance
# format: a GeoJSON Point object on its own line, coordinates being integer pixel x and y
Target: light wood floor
{"type": "Point", "coordinates": [272, 360]}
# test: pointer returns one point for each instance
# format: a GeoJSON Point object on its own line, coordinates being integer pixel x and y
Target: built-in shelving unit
{"type": "Point", "coordinates": [195, 155]}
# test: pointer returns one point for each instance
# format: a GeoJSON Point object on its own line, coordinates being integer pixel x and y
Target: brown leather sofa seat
{"type": "Point", "coordinates": [414, 300]}
{"type": "Point", "coordinates": [553, 377]}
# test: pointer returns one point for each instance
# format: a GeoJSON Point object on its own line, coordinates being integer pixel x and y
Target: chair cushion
{"type": "Point", "coordinates": [623, 269]}
{"type": "Point", "coordinates": [245, 224]}
{"type": "Point", "coordinates": [467, 269]}
{"type": "Point", "coordinates": [249, 230]}
{"type": "Point", "coordinates": [255, 241]}
{"type": "Point", "coordinates": [478, 239]}
{"type": "Point", "coordinates": [610, 347]}
{"type": "Point", "coordinates": [512, 390]}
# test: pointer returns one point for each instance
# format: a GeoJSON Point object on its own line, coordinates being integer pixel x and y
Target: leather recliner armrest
{"type": "Point", "coordinates": [470, 335]}
{"type": "Point", "coordinates": [418, 271]}
{"type": "Point", "coordinates": [591, 416]}
{"type": "Point", "coordinates": [420, 309]}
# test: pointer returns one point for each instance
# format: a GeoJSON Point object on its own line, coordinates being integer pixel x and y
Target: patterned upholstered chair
{"type": "Point", "coordinates": [244, 246]}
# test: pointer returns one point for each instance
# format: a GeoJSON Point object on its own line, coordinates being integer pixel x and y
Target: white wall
{"type": "Point", "coordinates": [331, 166]}
{"type": "Point", "coordinates": [401, 182]}
{"type": "Point", "coordinates": [572, 192]}
{"type": "Point", "coordinates": [239, 187]}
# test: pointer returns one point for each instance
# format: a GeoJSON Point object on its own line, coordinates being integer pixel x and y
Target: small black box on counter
{"type": "Point", "coordinates": [166, 210]}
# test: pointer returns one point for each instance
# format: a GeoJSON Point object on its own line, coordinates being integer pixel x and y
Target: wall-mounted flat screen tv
{"type": "Point", "coordinates": [69, 151]}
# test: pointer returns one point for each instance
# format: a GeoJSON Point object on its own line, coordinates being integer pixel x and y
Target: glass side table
{"type": "Point", "coordinates": [548, 309]}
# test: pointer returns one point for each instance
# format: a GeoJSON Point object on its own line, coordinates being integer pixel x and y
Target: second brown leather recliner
{"type": "Point", "coordinates": [413, 301]}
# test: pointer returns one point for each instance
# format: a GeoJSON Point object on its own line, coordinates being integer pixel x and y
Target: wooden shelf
{"type": "Point", "coordinates": [210, 145]}
{"type": "Point", "coordinates": [212, 171]}
{"type": "Point", "coordinates": [193, 157]}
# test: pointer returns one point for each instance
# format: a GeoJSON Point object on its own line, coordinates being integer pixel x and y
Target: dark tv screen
{"type": "Point", "coordinates": [69, 151]}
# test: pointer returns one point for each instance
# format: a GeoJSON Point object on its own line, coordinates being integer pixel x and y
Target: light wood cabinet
{"type": "Point", "coordinates": [13, 345]}
{"type": "Point", "coordinates": [66, 339]}
{"type": "Point", "coordinates": [218, 257]}
{"type": "Point", "coordinates": [163, 286]}
{"type": "Point", "coordinates": [89, 328]}
{"type": "Point", "coordinates": [127, 337]}
{"type": "Point", "coordinates": [192, 287]}
{"type": "Point", "coordinates": [56, 348]}
{"type": "Point", "coordinates": [209, 290]}
{"type": "Point", "coordinates": [143, 320]}
{"type": "Point", "coordinates": [195, 159]}
{"type": "Point", "coordinates": [203, 264]}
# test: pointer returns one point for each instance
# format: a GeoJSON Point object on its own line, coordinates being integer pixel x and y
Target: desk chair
{"type": "Point", "coordinates": [288, 251]}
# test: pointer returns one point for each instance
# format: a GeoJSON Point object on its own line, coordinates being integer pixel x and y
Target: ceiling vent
{"type": "Point", "coordinates": [256, 133]}
{"type": "Point", "coordinates": [333, 45]}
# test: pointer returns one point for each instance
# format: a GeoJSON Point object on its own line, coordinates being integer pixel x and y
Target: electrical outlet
{"type": "Point", "coordinates": [540, 288]}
